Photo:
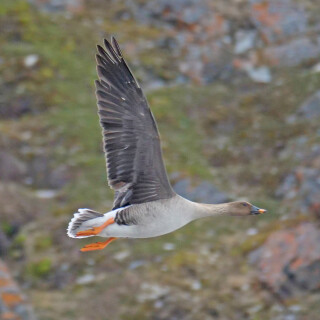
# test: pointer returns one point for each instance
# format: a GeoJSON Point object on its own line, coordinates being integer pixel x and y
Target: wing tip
{"type": "Point", "coordinates": [116, 46]}
{"type": "Point", "coordinates": [97, 84]}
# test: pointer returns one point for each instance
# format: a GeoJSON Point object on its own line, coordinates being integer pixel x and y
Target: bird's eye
{"type": "Point", "coordinates": [245, 204]}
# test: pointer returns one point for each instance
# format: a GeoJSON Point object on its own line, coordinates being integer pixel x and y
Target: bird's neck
{"type": "Point", "coordinates": [202, 210]}
{"type": "Point", "coordinates": [192, 210]}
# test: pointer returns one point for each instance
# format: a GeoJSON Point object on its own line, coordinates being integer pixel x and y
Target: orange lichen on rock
{"type": "Point", "coordinates": [11, 299]}
{"type": "Point", "coordinates": [13, 305]}
{"type": "Point", "coordinates": [289, 260]}
{"type": "Point", "coordinates": [263, 14]}
{"type": "Point", "coordinates": [5, 282]}
{"type": "Point", "coordinates": [10, 316]}
{"type": "Point", "coordinates": [3, 268]}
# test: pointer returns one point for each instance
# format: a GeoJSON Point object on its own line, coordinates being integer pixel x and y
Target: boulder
{"type": "Point", "coordinates": [11, 168]}
{"type": "Point", "coordinates": [302, 188]}
{"type": "Point", "coordinates": [289, 261]}
{"type": "Point", "coordinates": [43, 173]}
{"type": "Point", "coordinates": [4, 243]}
{"type": "Point", "coordinates": [13, 304]}
{"type": "Point", "coordinates": [310, 109]}
{"type": "Point", "coordinates": [53, 6]}
{"type": "Point", "coordinates": [293, 52]}
{"type": "Point", "coordinates": [204, 192]}
{"type": "Point", "coordinates": [244, 40]}
{"type": "Point", "coordinates": [277, 20]}
{"type": "Point", "coordinates": [21, 208]}
{"type": "Point", "coordinates": [14, 105]}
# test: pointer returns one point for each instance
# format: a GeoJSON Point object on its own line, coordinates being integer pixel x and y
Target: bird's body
{"type": "Point", "coordinates": [145, 204]}
{"type": "Point", "coordinates": [145, 220]}
{"type": "Point", "coordinates": [150, 219]}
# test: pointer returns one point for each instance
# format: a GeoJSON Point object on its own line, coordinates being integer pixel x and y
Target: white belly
{"type": "Point", "coordinates": [157, 227]}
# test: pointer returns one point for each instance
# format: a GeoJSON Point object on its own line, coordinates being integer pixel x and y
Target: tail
{"type": "Point", "coordinates": [80, 218]}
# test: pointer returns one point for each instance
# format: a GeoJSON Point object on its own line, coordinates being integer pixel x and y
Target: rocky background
{"type": "Point", "coordinates": [235, 88]}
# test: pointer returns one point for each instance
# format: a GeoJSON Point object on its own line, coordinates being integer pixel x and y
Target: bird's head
{"type": "Point", "coordinates": [243, 208]}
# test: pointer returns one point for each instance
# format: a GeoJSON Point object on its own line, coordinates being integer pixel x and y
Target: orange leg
{"type": "Point", "coordinates": [95, 230]}
{"type": "Point", "coordinates": [97, 245]}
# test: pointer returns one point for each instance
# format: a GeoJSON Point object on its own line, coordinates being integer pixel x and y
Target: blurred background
{"type": "Point", "coordinates": [235, 88]}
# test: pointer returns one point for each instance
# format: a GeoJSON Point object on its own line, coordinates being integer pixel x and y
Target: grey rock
{"type": "Point", "coordinates": [169, 246]}
{"type": "Point", "coordinates": [293, 53]}
{"type": "Point", "coordinates": [11, 168]}
{"type": "Point", "coordinates": [255, 255]}
{"type": "Point", "coordinates": [310, 109]}
{"type": "Point", "coordinates": [245, 40]}
{"type": "Point", "coordinates": [316, 68]}
{"type": "Point", "coordinates": [189, 10]}
{"type": "Point", "coordinates": [13, 105]}
{"type": "Point", "coordinates": [85, 279]}
{"type": "Point", "coordinates": [58, 177]}
{"type": "Point", "coordinates": [278, 19]}
{"type": "Point", "coordinates": [4, 243]}
{"type": "Point", "coordinates": [39, 171]}
{"type": "Point", "coordinates": [193, 15]}
{"type": "Point", "coordinates": [289, 183]}
{"type": "Point", "coordinates": [199, 37]}
{"type": "Point", "coordinates": [20, 310]}
{"type": "Point", "coordinates": [45, 194]}
{"type": "Point", "coordinates": [204, 192]}
{"type": "Point", "coordinates": [302, 187]}
{"type": "Point", "coordinates": [261, 74]}
{"type": "Point", "coordinates": [220, 70]}
{"type": "Point", "coordinates": [56, 6]}
{"type": "Point", "coordinates": [289, 261]}
{"type": "Point", "coordinates": [31, 60]}
{"type": "Point", "coordinates": [136, 264]}
{"type": "Point", "coordinates": [44, 175]}
{"type": "Point", "coordinates": [308, 277]}
{"type": "Point", "coordinates": [152, 291]}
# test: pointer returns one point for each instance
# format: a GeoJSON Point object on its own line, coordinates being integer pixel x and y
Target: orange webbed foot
{"type": "Point", "coordinates": [95, 230]}
{"type": "Point", "coordinates": [97, 245]}
{"type": "Point", "coordinates": [91, 232]}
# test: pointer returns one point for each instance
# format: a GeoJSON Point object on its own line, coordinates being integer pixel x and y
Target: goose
{"type": "Point", "coordinates": [145, 205]}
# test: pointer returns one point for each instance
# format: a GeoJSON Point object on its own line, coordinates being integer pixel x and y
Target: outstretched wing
{"type": "Point", "coordinates": [131, 140]}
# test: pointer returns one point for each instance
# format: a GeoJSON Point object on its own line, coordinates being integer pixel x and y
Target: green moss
{"type": "Point", "coordinates": [252, 243]}
{"type": "Point", "coordinates": [42, 242]}
{"type": "Point", "coordinates": [40, 269]}
{"type": "Point", "coordinates": [180, 259]}
{"type": "Point", "coordinates": [19, 240]}
{"type": "Point", "coordinates": [182, 135]}
{"type": "Point", "coordinates": [7, 228]}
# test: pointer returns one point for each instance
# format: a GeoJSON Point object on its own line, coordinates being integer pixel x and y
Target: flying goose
{"type": "Point", "coordinates": [145, 204]}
